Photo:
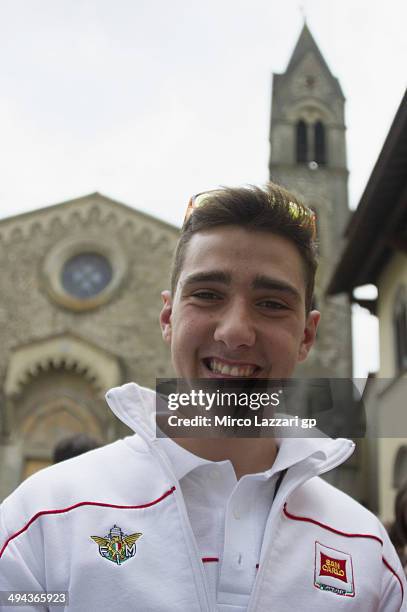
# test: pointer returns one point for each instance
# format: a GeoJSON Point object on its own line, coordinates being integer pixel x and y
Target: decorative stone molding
{"type": "Point", "coordinates": [76, 245]}
{"type": "Point", "coordinates": [311, 111]}
{"type": "Point", "coordinates": [96, 365]}
{"type": "Point", "coordinates": [81, 212]}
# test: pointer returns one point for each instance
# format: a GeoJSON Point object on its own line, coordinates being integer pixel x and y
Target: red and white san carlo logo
{"type": "Point", "coordinates": [333, 571]}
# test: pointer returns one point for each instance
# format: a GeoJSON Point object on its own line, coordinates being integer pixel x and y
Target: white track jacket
{"type": "Point", "coordinates": [111, 528]}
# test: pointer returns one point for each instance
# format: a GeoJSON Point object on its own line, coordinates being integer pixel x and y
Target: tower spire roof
{"type": "Point", "coordinates": [306, 44]}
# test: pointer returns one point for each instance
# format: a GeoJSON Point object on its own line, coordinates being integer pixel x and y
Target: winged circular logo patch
{"type": "Point", "coordinates": [117, 546]}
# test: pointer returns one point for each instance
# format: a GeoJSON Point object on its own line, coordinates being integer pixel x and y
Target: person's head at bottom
{"type": "Point", "coordinates": [74, 445]}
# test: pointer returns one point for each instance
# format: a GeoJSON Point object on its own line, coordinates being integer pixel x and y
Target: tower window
{"type": "Point", "coordinates": [319, 141]}
{"type": "Point", "coordinates": [310, 143]}
{"type": "Point", "coordinates": [400, 328]}
{"type": "Point", "coordinates": [301, 142]}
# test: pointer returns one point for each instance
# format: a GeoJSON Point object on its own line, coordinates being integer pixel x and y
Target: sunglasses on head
{"type": "Point", "coordinates": [297, 211]}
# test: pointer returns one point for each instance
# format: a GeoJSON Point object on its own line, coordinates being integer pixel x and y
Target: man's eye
{"type": "Point", "coordinates": [205, 295]}
{"type": "Point", "coordinates": [272, 305]}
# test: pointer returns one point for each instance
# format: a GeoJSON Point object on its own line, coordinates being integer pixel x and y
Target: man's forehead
{"type": "Point", "coordinates": [225, 236]}
{"type": "Point", "coordinates": [223, 247]}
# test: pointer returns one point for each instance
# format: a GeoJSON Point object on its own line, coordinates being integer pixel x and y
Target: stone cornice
{"type": "Point", "coordinates": [93, 207]}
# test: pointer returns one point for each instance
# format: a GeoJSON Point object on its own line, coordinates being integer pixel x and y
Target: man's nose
{"type": "Point", "coordinates": [235, 328]}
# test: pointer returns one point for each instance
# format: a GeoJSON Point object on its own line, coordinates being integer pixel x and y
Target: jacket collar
{"type": "Point", "coordinates": [136, 406]}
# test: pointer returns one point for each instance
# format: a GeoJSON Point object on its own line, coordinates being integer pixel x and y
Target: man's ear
{"type": "Point", "coordinates": [310, 332]}
{"type": "Point", "coordinates": [165, 316]}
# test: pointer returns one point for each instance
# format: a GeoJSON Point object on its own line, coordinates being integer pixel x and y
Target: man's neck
{"type": "Point", "coordinates": [247, 455]}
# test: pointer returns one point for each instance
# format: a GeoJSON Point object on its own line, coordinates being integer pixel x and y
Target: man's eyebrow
{"type": "Point", "coordinates": [214, 276]}
{"type": "Point", "coordinates": [265, 282]}
{"type": "Point", "coordinates": [260, 282]}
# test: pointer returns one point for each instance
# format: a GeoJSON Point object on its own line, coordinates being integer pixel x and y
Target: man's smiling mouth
{"type": "Point", "coordinates": [233, 369]}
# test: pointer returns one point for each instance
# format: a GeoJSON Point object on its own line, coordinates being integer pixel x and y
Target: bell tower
{"type": "Point", "coordinates": [308, 156]}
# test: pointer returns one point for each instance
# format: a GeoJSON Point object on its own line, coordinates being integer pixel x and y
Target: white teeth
{"type": "Point", "coordinates": [222, 368]}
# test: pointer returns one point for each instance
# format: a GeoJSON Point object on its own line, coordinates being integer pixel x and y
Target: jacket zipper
{"type": "Point", "coordinates": [272, 519]}
{"type": "Point", "coordinates": [197, 565]}
{"type": "Point", "coordinates": [276, 511]}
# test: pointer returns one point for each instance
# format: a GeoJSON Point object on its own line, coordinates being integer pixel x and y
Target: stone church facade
{"type": "Point", "coordinates": [80, 298]}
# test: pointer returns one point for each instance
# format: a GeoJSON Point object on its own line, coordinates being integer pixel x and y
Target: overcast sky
{"type": "Point", "coordinates": [149, 101]}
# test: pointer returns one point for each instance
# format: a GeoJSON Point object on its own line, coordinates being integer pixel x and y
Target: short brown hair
{"type": "Point", "coordinates": [271, 209]}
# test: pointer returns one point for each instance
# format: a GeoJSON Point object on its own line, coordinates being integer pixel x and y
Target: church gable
{"type": "Point", "coordinates": [82, 211]}
{"type": "Point", "coordinates": [91, 266]}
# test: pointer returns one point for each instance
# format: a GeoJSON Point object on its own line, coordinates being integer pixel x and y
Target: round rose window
{"type": "Point", "coordinates": [86, 274]}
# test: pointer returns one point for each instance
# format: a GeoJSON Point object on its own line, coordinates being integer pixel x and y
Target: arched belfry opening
{"type": "Point", "coordinates": [301, 142]}
{"type": "Point", "coordinates": [319, 143]}
{"type": "Point", "coordinates": [310, 142]}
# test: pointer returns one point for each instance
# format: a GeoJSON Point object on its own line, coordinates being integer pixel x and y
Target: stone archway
{"type": "Point", "coordinates": [52, 422]}
{"type": "Point", "coordinates": [68, 351]}
{"type": "Point", "coordinates": [51, 406]}
{"type": "Point", "coordinates": [54, 387]}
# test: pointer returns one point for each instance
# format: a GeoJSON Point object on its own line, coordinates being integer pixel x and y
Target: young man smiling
{"type": "Point", "coordinates": [236, 524]}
